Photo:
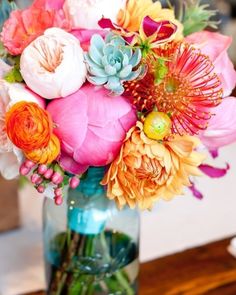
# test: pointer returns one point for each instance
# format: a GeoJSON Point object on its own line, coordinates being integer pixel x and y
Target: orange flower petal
{"type": "Point", "coordinates": [47, 154]}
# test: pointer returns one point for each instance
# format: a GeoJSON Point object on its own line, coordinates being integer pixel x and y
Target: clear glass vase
{"type": "Point", "coordinates": [91, 247]}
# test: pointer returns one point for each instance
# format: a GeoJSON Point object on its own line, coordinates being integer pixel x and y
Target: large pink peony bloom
{"type": "Point", "coordinates": [91, 126]}
{"type": "Point", "coordinates": [215, 45]}
{"type": "Point", "coordinates": [222, 126]}
{"type": "Point", "coordinates": [26, 25]}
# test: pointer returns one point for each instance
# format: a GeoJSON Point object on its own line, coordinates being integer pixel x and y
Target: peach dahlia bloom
{"type": "Point", "coordinates": [147, 170]}
{"type": "Point", "coordinates": [131, 17]}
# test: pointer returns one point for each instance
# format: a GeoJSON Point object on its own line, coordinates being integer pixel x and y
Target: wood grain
{"type": "Point", "coordinates": [208, 270]}
{"type": "Point", "coordinates": [9, 205]}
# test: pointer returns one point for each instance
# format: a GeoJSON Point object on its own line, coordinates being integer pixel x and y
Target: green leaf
{"type": "Point", "coordinates": [14, 76]}
{"type": "Point", "coordinates": [196, 17]}
{"type": "Point", "coordinates": [161, 70]}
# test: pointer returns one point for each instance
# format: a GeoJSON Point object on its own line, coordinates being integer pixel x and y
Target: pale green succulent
{"type": "Point", "coordinates": [111, 62]}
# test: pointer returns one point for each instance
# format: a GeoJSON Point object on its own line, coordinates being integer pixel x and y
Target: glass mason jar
{"type": "Point", "coordinates": [90, 246]}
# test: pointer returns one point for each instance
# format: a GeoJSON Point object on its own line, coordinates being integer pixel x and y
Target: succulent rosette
{"type": "Point", "coordinates": [128, 87]}
{"type": "Point", "coordinates": [111, 62]}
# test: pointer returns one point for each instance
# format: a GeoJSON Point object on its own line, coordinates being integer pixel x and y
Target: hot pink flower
{"type": "Point", "coordinates": [24, 26]}
{"type": "Point", "coordinates": [222, 126]}
{"type": "Point", "coordinates": [91, 126]}
{"type": "Point", "coordinates": [215, 45]}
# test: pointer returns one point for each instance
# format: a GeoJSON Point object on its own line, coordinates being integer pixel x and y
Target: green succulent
{"type": "Point", "coordinates": [111, 62]}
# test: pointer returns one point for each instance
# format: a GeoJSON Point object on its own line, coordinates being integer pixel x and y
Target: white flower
{"type": "Point", "coordinates": [53, 64]}
{"type": "Point", "coordinates": [10, 156]}
{"type": "Point", "coordinates": [86, 13]}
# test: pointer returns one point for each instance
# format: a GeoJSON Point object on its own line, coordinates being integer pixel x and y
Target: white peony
{"type": "Point", "coordinates": [10, 156]}
{"type": "Point", "coordinates": [86, 13]}
{"type": "Point", "coordinates": [53, 64]}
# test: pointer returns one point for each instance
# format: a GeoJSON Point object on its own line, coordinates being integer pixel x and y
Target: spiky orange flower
{"type": "Point", "coordinates": [187, 91]}
{"type": "Point", "coordinates": [147, 170]}
{"type": "Point", "coordinates": [47, 154]}
{"type": "Point", "coordinates": [28, 126]}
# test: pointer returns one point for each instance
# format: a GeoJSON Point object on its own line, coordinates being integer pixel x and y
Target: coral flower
{"type": "Point", "coordinates": [47, 154]}
{"type": "Point", "coordinates": [132, 16]}
{"type": "Point", "coordinates": [188, 90]}
{"type": "Point", "coordinates": [24, 26]}
{"type": "Point", "coordinates": [28, 126]}
{"type": "Point", "coordinates": [147, 170]}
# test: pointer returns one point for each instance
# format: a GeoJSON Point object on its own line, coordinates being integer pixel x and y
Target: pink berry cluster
{"type": "Point", "coordinates": [42, 175]}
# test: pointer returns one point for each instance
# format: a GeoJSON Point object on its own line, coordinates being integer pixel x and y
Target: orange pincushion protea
{"type": "Point", "coordinates": [47, 154]}
{"type": "Point", "coordinates": [187, 92]}
{"type": "Point", "coordinates": [28, 126]}
{"type": "Point", "coordinates": [147, 170]}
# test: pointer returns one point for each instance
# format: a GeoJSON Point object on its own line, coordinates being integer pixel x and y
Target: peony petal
{"type": "Point", "coordinates": [70, 116]}
{"type": "Point", "coordinates": [101, 152]}
{"type": "Point", "coordinates": [215, 45]}
{"type": "Point", "coordinates": [69, 165]}
{"type": "Point", "coordinates": [222, 127]}
{"type": "Point", "coordinates": [108, 110]}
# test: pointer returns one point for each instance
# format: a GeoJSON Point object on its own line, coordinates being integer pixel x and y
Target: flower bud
{"type": "Point", "coordinates": [74, 182]}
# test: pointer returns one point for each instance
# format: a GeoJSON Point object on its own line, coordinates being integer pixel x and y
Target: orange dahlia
{"type": "Point", "coordinates": [180, 82]}
{"type": "Point", "coordinates": [147, 170]}
{"type": "Point", "coordinates": [47, 154]}
{"type": "Point", "coordinates": [130, 18]}
{"type": "Point", "coordinates": [28, 126]}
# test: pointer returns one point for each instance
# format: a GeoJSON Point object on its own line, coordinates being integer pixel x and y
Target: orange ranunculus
{"type": "Point", "coordinates": [147, 170]}
{"type": "Point", "coordinates": [28, 126]}
{"type": "Point", "coordinates": [131, 17]}
{"type": "Point", "coordinates": [47, 154]}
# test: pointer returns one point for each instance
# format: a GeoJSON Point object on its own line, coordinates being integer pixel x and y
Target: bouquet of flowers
{"type": "Point", "coordinates": [129, 86]}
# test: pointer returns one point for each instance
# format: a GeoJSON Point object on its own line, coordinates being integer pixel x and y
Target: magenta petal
{"type": "Point", "coordinates": [214, 172]}
{"type": "Point", "coordinates": [163, 29]}
{"type": "Point", "coordinates": [196, 193]}
{"type": "Point", "coordinates": [69, 165]}
{"type": "Point", "coordinates": [214, 153]}
{"type": "Point", "coordinates": [106, 23]}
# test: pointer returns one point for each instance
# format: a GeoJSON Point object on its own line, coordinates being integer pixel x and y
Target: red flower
{"type": "Point", "coordinates": [187, 91]}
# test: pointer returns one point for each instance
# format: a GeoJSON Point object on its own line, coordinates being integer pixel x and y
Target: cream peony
{"type": "Point", "coordinates": [86, 13]}
{"type": "Point", "coordinates": [11, 157]}
{"type": "Point", "coordinates": [53, 65]}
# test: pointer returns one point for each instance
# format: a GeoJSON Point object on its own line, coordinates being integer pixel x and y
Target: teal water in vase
{"type": "Point", "coordinates": [91, 247]}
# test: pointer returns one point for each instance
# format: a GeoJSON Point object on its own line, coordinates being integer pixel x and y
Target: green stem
{"type": "Point", "coordinates": [118, 274]}
{"type": "Point", "coordinates": [124, 283]}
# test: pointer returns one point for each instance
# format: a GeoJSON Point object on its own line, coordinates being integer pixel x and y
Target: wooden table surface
{"type": "Point", "coordinates": [208, 270]}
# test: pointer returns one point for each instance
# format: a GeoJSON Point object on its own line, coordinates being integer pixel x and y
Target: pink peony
{"type": "Point", "coordinates": [49, 4]}
{"type": "Point", "coordinates": [91, 126]}
{"type": "Point", "coordinates": [24, 26]}
{"type": "Point", "coordinates": [222, 126]}
{"type": "Point", "coordinates": [215, 45]}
